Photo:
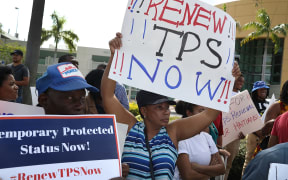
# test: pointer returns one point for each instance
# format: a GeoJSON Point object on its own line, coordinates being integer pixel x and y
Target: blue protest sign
{"type": "Point", "coordinates": [48, 147]}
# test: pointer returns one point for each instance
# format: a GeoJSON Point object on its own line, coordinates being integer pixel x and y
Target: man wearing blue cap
{"type": "Point", "coordinates": [20, 72]}
{"type": "Point", "coordinates": [259, 94]}
{"type": "Point", "coordinates": [61, 90]}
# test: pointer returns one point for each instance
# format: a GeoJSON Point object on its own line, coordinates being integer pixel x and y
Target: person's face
{"type": "Point", "coordinates": [16, 58]}
{"type": "Point", "coordinates": [157, 114]}
{"type": "Point", "coordinates": [196, 110]}
{"type": "Point", "coordinates": [239, 83]}
{"type": "Point", "coordinates": [9, 90]}
{"type": "Point", "coordinates": [262, 93]}
{"type": "Point", "coordinates": [63, 102]}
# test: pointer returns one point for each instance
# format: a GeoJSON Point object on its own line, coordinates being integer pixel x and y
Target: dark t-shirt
{"type": "Point", "coordinates": [260, 105]}
{"type": "Point", "coordinates": [19, 72]}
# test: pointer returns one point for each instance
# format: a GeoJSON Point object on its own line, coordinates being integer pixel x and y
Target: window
{"type": "Point", "coordinates": [251, 59]}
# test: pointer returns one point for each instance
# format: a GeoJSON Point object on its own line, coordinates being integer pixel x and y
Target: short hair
{"type": "Point", "coordinates": [182, 107]}
{"type": "Point", "coordinates": [65, 58]}
{"type": "Point", "coordinates": [101, 66]}
{"type": "Point", "coordinates": [94, 78]}
{"type": "Point", "coordinates": [284, 93]}
{"type": "Point", "coordinates": [5, 71]}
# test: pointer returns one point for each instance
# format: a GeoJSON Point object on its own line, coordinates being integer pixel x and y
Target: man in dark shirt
{"type": "Point", "coordinates": [20, 72]}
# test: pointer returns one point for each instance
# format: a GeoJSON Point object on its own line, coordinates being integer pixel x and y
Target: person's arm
{"type": "Point", "coordinates": [190, 126]}
{"type": "Point", "coordinates": [110, 102]}
{"type": "Point", "coordinates": [197, 122]}
{"type": "Point", "coordinates": [24, 82]}
{"type": "Point", "coordinates": [185, 169]}
{"type": "Point", "coordinates": [273, 140]}
{"type": "Point", "coordinates": [273, 112]}
{"type": "Point", "coordinates": [215, 168]}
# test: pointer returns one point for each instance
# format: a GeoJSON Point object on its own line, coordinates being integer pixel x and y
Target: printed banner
{"type": "Point", "coordinates": [56, 147]}
{"type": "Point", "coordinates": [182, 49]}
{"type": "Point", "coordinates": [10, 108]}
{"type": "Point", "coordinates": [242, 117]}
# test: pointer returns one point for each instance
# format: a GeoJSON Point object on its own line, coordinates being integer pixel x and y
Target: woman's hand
{"type": "Point", "coordinates": [224, 152]}
{"type": "Point", "coordinates": [115, 43]}
{"type": "Point", "coordinates": [125, 169]}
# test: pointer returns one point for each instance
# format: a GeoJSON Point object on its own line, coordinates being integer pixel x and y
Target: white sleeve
{"type": "Point", "coordinates": [211, 143]}
{"type": "Point", "coordinates": [183, 147]}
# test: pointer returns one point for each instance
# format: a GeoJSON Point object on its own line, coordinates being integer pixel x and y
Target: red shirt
{"type": "Point", "coordinates": [219, 125]}
{"type": "Point", "coordinates": [280, 128]}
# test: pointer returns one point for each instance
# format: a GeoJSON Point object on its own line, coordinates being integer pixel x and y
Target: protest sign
{"type": "Point", "coordinates": [10, 108]}
{"type": "Point", "coordinates": [278, 171]}
{"type": "Point", "coordinates": [242, 117]}
{"type": "Point", "coordinates": [272, 101]}
{"type": "Point", "coordinates": [182, 49]}
{"type": "Point", "coordinates": [56, 147]}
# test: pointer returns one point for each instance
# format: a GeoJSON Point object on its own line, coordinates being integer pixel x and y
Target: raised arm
{"type": "Point", "coordinates": [190, 126]}
{"type": "Point", "coordinates": [110, 102]}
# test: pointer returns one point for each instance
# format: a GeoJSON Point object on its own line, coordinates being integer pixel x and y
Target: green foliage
{"type": "Point", "coordinates": [262, 26]}
{"type": "Point", "coordinates": [133, 108]}
{"type": "Point", "coordinates": [224, 7]}
{"type": "Point", "coordinates": [59, 34]}
{"type": "Point", "coordinates": [237, 165]}
{"type": "Point", "coordinates": [7, 48]}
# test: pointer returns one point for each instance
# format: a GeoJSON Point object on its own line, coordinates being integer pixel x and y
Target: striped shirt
{"type": "Point", "coordinates": [136, 155]}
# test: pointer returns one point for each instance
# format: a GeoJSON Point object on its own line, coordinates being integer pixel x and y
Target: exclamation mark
{"type": "Point", "coordinates": [229, 30]}
{"type": "Point", "coordinates": [131, 10]}
{"type": "Point", "coordinates": [140, 6]}
{"type": "Point", "coordinates": [122, 63]}
{"type": "Point", "coordinates": [131, 4]}
{"type": "Point", "coordinates": [227, 92]}
{"type": "Point", "coordinates": [232, 33]}
{"type": "Point", "coordinates": [219, 100]}
{"type": "Point", "coordinates": [116, 63]}
{"type": "Point", "coordinates": [88, 145]}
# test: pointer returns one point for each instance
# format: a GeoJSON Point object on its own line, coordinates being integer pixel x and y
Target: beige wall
{"type": "Point", "coordinates": [245, 11]}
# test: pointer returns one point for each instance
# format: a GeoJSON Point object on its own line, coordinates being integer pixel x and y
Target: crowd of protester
{"type": "Point", "coordinates": [186, 148]}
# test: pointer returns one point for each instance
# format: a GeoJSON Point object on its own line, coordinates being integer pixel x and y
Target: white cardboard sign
{"type": "Point", "coordinates": [278, 171]}
{"type": "Point", "coordinates": [182, 49]}
{"type": "Point", "coordinates": [242, 117]}
{"type": "Point", "coordinates": [10, 108]}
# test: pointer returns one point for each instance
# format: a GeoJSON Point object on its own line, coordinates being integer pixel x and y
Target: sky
{"type": "Point", "coordinates": [94, 21]}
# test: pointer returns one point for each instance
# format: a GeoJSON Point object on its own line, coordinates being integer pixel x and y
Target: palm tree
{"type": "Point", "coordinates": [58, 33]}
{"type": "Point", "coordinates": [263, 27]}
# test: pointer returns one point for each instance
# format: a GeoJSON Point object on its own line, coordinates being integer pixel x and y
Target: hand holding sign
{"type": "Point", "coordinates": [180, 52]}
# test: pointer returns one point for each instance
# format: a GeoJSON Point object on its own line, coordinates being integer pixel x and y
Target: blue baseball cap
{"type": "Point", "coordinates": [63, 77]}
{"type": "Point", "coordinates": [259, 85]}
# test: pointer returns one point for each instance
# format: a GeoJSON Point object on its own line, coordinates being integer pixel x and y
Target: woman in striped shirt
{"type": "Point", "coordinates": [150, 148]}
